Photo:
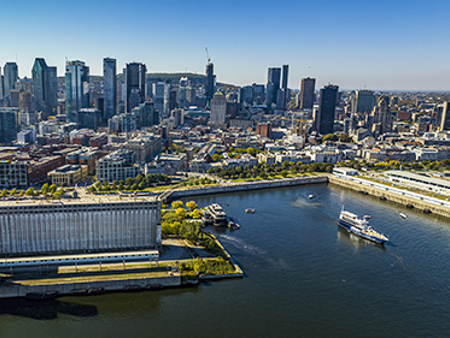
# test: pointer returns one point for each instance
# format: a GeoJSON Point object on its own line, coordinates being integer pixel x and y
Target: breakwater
{"type": "Point", "coordinates": [403, 197]}
{"type": "Point", "coordinates": [17, 289]}
{"type": "Point", "coordinates": [243, 186]}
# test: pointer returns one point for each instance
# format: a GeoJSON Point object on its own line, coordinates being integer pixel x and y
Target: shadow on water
{"type": "Point", "coordinates": [45, 310]}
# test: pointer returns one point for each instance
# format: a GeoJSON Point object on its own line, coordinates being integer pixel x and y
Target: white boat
{"type": "Point", "coordinates": [250, 211]}
{"type": "Point", "coordinates": [310, 197]}
{"type": "Point", "coordinates": [360, 227]}
{"type": "Point", "coordinates": [402, 215]}
{"type": "Point", "coordinates": [217, 214]}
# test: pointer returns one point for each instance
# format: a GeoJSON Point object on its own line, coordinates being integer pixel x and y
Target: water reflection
{"type": "Point", "coordinates": [45, 310]}
{"type": "Point", "coordinates": [357, 242]}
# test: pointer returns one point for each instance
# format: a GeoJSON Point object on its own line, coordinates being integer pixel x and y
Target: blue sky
{"type": "Point", "coordinates": [398, 45]}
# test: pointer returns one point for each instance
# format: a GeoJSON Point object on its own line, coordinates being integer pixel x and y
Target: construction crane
{"type": "Point", "coordinates": [298, 129]}
{"type": "Point", "coordinates": [207, 55]}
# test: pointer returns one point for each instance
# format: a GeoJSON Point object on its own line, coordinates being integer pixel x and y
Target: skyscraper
{"type": "Point", "coordinates": [109, 87]}
{"type": "Point", "coordinates": [327, 107]}
{"type": "Point", "coordinates": [209, 81]}
{"type": "Point", "coordinates": [45, 86]}
{"type": "Point", "coordinates": [77, 74]}
{"type": "Point", "coordinates": [363, 101]}
{"type": "Point", "coordinates": [11, 74]}
{"type": "Point", "coordinates": [158, 96]}
{"type": "Point", "coordinates": [1, 85]}
{"type": "Point", "coordinates": [381, 117]}
{"type": "Point", "coordinates": [166, 108]}
{"type": "Point", "coordinates": [307, 90]}
{"type": "Point", "coordinates": [273, 84]}
{"type": "Point", "coordinates": [134, 83]}
{"type": "Point", "coordinates": [218, 109]}
{"type": "Point", "coordinates": [285, 76]}
{"type": "Point", "coordinates": [8, 124]}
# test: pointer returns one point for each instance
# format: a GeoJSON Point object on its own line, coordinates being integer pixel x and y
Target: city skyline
{"type": "Point", "coordinates": [391, 46]}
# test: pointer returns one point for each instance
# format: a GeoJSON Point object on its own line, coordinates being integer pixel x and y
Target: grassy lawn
{"type": "Point", "coordinates": [98, 278]}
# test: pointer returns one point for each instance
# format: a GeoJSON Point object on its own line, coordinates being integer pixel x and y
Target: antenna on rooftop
{"type": "Point", "coordinates": [208, 58]}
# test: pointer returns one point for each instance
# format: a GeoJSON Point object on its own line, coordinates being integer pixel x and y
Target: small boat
{"type": "Point", "coordinates": [402, 215]}
{"type": "Point", "coordinates": [310, 197]}
{"type": "Point", "coordinates": [366, 217]}
{"type": "Point", "coordinates": [250, 211]}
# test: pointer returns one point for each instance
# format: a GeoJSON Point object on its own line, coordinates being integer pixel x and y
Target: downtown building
{"type": "Point", "coordinates": [109, 88]}
{"type": "Point", "coordinates": [117, 166]}
{"type": "Point", "coordinates": [134, 74]}
{"type": "Point", "coordinates": [307, 90]}
{"type": "Point", "coordinates": [10, 77]}
{"type": "Point", "coordinates": [45, 86]}
{"type": "Point", "coordinates": [324, 119]}
{"type": "Point", "coordinates": [76, 78]}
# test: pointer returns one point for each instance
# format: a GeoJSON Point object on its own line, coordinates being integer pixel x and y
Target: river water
{"type": "Point", "coordinates": [304, 277]}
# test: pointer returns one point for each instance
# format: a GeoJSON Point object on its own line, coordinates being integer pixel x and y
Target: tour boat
{"type": "Point", "coordinates": [360, 227]}
{"type": "Point", "coordinates": [250, 211]}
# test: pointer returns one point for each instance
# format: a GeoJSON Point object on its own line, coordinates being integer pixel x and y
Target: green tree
{"type": "Point", "coordinates": [141, 186]}
{"type": "Point", "coordinates": [4, 193]}
{"type": "Point", "coordinates": [177, 204]}
{"type": "Point", "coordinates": [197, 214]}
{"type": "Point", "coordinates": [53, 188]}
{"type": "Point", "coordinates": [191, 205]}
{"type": "Point", "coordinates": [181, 213]}
{"type": "Point", "coordinates": [330, 137]}
{"type": "Point", "coordinates": [134, 187]}
{"type": "Point", "coordinates": [284, 173]}
{"type": "Point", "coordinates": [30, 191]}
{"type": "Point", "coordinates": [12, 192]}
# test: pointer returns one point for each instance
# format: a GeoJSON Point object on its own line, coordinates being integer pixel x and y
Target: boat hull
{"type": "Point", "coordinates": [359, 233]}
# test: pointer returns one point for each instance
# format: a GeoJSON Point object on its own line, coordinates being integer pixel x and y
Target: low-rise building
{"type": "Point", "coordinates": [117, 166]}
{"type": "Point", "coordinates": [69, 174]}
{"type": "Point", "coordinates": [144, 146]}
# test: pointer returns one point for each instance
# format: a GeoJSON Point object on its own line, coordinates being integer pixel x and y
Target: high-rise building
{"type": "Point", "coordinates": [381, 117]}
{"type": "Point", "coordinates": [1, 86]}
{"type": "Point", "coordinates": [218, 109]}
{"type": "Point", "coordinates": [134, 84]}
{"type": "Point", "coordinates": [8, 124]}
{"type": "Point", "coordinates": [11, 74]}
{"type": "Point", "coordinates": [273, 84]}
{"type": "Point", "coordinates": [209, 81]}
{"type": "Point", "coordinates": [109, 87]}
{"type": "Point", "coordinates": [158, 96]}
{"type": "Point", "coordinates": [363, 101]}
{"type": "Point", "coordinates": [45, 86]}
{"type": "Point", "coordinates": [166, 108]}
{"type": "Point", "coordinates": [76, 76]}
{"type": "Point", "coordinates": [327, 106]}
{"type": "Point", "coordinates": [307, 90]}
{"type": "Point", "coordinates": [284, 84]}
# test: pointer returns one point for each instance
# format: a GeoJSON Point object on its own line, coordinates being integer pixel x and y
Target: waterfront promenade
{"type": "Point", "coordinates": [243, 186]}
{"type": "Point", "coordinates": [404, 197]}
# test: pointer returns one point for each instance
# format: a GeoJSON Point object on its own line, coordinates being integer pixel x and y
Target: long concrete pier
{"type": "Point", "coordinates": [244, 186]}
{"type": "Point", "coordinates": [413, 200]}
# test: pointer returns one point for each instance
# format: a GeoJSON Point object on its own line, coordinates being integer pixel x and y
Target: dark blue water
{"type": "Point", "coordinates": [304, 278]}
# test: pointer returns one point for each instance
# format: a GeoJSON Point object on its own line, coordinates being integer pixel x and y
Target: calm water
{"type": "Point", "coordinates": [304, 278]}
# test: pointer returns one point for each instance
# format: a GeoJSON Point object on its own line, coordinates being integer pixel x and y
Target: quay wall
{"type": "Point", "coordinates": [419, 202]}
{"type": "Point", "coordinates": [20, 290]}
{"type": "Point", "coordinates": [245, 186]}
